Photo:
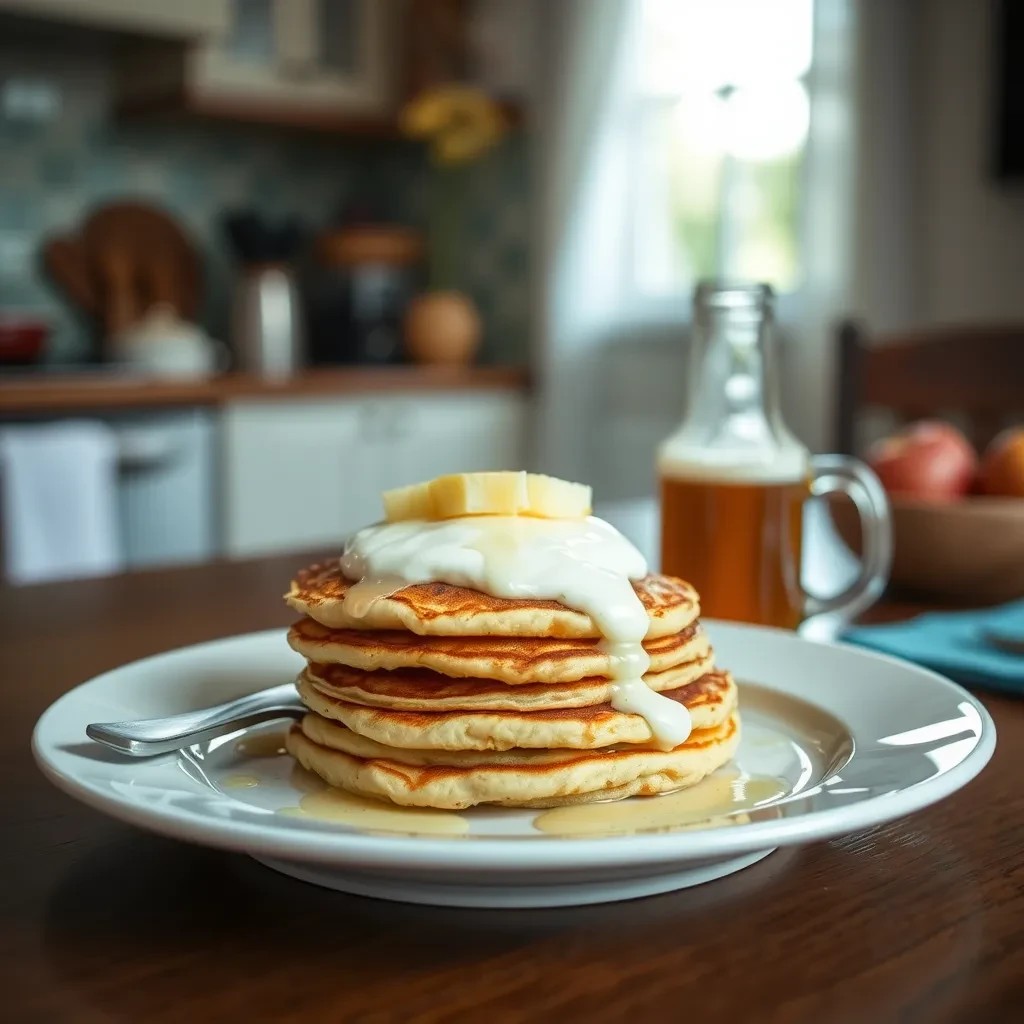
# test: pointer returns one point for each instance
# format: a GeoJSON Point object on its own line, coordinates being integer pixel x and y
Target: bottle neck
{"type": "Point", "coordinates": [734, 418]}
{"type": "Point", "coordinates": [734, 368]}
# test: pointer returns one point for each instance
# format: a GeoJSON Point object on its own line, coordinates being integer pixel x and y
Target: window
{"type": "Point", "coordinates": [720, 137]}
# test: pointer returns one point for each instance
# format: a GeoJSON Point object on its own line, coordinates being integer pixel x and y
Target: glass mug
{"type": "Point", "coordinates": [734, 480]}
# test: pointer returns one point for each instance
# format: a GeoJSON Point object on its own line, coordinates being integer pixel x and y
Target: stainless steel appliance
{"type": "Point", "coordinates": [266, 330]}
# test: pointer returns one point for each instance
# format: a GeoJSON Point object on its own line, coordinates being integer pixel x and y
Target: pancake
{"type": "Point", "coordinates": [439, 609]}
{"type": "Point", "coordinates": [710, 700]}
{"type": "Point", "coordinates": [418, 689]}
{"type": "Point", "coordinates": [513, 660]}
{"type": "Point", "coordinates": [517, 778]}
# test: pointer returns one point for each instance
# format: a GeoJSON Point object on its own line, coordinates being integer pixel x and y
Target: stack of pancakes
{"type": "Point", "coordinates": [440, 696]}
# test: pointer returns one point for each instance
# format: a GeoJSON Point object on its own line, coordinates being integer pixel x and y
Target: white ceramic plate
{"type": "Point", "coordinates": [835, 739]}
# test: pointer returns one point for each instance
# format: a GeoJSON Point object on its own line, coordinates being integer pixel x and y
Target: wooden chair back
{"type": "Point", "coordinates": [974, 371]}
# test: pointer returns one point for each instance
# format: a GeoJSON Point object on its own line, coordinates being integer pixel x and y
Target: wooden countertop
{"type": "Point", "coordinates": [44, 393]}
{"type": "Point", "coordinates": [915, 920]}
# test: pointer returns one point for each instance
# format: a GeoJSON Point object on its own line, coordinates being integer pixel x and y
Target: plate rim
{"type": "Point", "coordinates": [519, 854]}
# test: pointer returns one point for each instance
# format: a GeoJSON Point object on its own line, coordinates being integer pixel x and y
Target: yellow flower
{"type": "Point", "coordinates": [460, 123]}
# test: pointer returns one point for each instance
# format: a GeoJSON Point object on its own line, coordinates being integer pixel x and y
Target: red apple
{"type": "Point", "coordinates": [929, 460]}
{"type": "Point", "coordinates": [1002, 468]}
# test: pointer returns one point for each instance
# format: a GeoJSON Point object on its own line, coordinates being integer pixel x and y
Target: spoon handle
{"type": "Point", "coordinates": [151, 736]}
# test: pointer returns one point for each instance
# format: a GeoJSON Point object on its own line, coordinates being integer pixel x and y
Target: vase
{"type": "Point", "coordinates": [442, 328]}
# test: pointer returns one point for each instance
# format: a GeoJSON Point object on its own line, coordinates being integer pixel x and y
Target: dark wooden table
{"type": "Point", "coordinates": [919, 920]}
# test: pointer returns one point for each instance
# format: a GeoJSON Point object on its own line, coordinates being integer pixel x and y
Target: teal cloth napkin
{"type": "Point", "coordinates": [953, 643]}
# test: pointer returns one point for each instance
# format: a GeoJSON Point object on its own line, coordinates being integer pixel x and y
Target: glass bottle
{"type": "Point", "coordinates": [734, 480]}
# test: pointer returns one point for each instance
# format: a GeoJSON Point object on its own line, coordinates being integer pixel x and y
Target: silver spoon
{"type": "Point", "coordinates": [150, 736]}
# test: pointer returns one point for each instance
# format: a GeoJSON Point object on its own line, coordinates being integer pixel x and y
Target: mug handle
{"type": "Point", "coordinates": [840, 474]}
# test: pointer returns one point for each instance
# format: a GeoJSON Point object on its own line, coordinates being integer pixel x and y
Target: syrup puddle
{"type": "Point", "coordinates": [262, 744]}
{"type": "Point", "coordinates": [719, 800]}
{"type": "Point", "coordinates": [241, 782]}
{"type": "Point", "coordinates": [305, 781]}
{"type": "Point", "coordinates": [335, 805]}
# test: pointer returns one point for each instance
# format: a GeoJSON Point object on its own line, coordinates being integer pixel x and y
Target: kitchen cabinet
{"type": "Point", "coordinates": [181, 19]}
{"type": "Point", "coordinates": [161, 509]}
{"type": "Point", "coordinates": [304, 474]}
{"type": "Point", "coordinates": [300, 62]}
{"type": "Point", "coordinates": [166, 487]}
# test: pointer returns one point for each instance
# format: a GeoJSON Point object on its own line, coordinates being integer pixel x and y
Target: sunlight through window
{"type": "Point", "coordinates": [722, 128]}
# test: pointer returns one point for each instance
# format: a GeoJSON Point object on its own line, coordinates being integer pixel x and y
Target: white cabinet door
{"type": "Point", "coordinates": [305, 474]}
{"type": "Point", "coordinates": [433, 434]}
{"type": "Point", "coordinates": [294, 475]}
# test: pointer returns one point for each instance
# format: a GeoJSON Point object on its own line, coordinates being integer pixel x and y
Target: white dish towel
{"type": "Point", "coordinates": [58, 500]}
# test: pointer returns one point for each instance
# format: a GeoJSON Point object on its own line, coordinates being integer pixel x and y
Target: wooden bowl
{"type": "Point", "coordinates": [970, 551]}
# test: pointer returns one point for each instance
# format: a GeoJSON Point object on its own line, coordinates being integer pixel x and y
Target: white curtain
{"type": "Point", "coordinates": [587, 308]}
{"type": "Point", "coordinates": [582, 179]}
{"type": "Point", "coordinates": [808, 317]}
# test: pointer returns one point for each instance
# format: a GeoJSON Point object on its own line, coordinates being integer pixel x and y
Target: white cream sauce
{"type": "Point", "coordinates": [585, 564]}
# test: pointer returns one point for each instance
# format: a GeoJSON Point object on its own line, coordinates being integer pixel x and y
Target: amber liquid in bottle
{"type": "Point", "coordinates": [733, 479]}
{"type": "Point", "coordinates": [739, 543]}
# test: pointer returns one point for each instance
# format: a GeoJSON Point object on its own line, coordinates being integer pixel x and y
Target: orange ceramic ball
{"type": "Point", "coordinates": [442, 328]}
{"type": "Point", "coordinates": [1002, 468]}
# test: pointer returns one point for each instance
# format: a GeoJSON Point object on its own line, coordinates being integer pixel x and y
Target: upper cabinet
{"type": "Point", "coordinates": [326, 54]}
{"type": "Point", "coordinates": [316, 63]}
{"type": "Point", "coordinates": [339, 66]}
{"type": "Point", "coordinates": [180, 19]}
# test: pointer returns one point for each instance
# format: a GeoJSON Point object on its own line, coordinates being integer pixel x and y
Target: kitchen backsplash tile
{"type": "Point", "coordinates": [51, 173]}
